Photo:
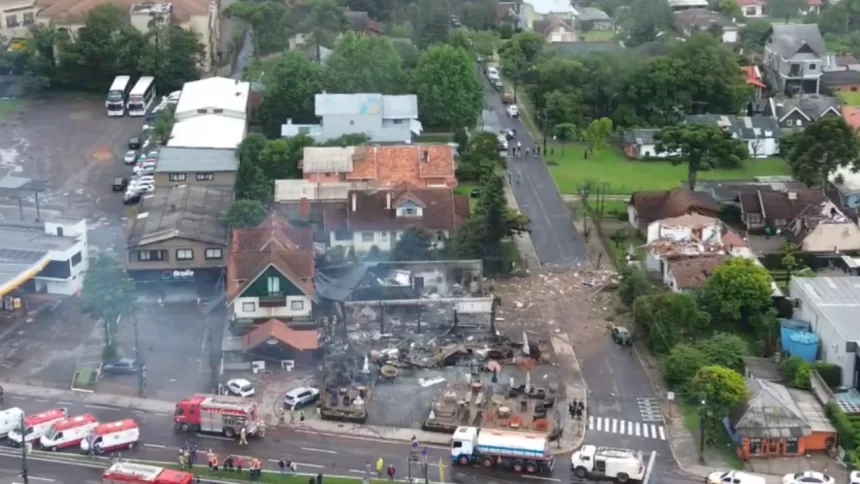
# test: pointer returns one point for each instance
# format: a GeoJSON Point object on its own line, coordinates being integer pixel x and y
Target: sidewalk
{"type": "Point", "coordinates": [524, 241]}
{"type": "Point", "coordinates": [574, 384]}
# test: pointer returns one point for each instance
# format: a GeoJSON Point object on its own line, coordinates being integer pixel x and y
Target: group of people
{"type": "Point", "coordinates": [390, 471]}
{"type": "Point", "coordinates": [261, 433]}
{"type": "Point", "coordinates": [518, 150]}
{"type": "Point", "coordinates": [576, 409]}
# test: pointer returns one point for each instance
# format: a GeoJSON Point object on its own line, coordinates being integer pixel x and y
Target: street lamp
{"type": "Point", "coordinates": [702, 415]}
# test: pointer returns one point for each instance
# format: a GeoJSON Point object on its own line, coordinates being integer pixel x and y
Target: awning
{"type": "Point", "coordinates": [24, 276]}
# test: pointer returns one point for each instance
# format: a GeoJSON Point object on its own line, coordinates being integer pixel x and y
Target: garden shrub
{"type": "Point", "coordinates": [831, 374]}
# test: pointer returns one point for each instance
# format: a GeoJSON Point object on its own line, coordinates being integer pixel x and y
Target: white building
{"type": "Point", "coordinates": [49, 257]}
{"type": "Point", "coordinates": [211, 113]}
{"type": "Point", "coordinates": [831, 306]}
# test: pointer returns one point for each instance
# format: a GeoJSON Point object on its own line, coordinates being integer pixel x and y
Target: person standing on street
{"type": "Point", "coordinates": [391, 472]}
{"type": "Point", "coordinates": [379, 465]}
{"type": "Point", "coordinates": [240, 462]}
{"type": "Point", "coordinates": [282, 466]}
{"type": "Point", "coordinates": [243, 438]}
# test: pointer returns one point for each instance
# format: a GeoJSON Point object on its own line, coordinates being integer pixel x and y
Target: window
{"type": "Point", "coordinates": [789, 122]}
{"type": "Point", "coordinates": [297, 305]}
{"type": "Point", "coordinates": [351, 122]}
{"type": "Point", "coordinates": [274, 285]}
{"type": "Point", "coordinates": [218, 111]}
{"type": "Point", "coordinates": [150, 255]}
{"type": "Point", "coordinates": [60, 231]}
{"type": "Point", "coordinates": [29, 18]}
{"type": "Point", "coordinates": [205, 176]}
{"type": "Point", "coordinates": [249, 307]}
{"type": "Point", "coordinates": [213, 254]}
{"type": "Point", "coordinates": [342, 235]}
{"type": "Point", "coordinates": [440, 236]}
{"type": "Point", "coordinates": [798, 122]}
{"type": "Point", "coordinates": [184, 254]}
{"type": "Point", "coordinates": [791, 446]}
{"type": "Point", "coordinates": [201, 111]}
{"type": "Point", "coordinates": [76, 259]}
{"type": "Point", "coordinates": [398, 121]}
{"type": "Point", "coordinates": [812, 67]}
{"type": "Point", "coordinates": [750, 11]}
{"type": "Point", "coordinates": [408, 211]}
{"type": "Point", "coordinates": [304, 130]}
{"type": "Point", "coordinates": [176, 177]}
{"type": "Point", "coordinates": [367, 236]}
{"type": "Point", "coordinates": [11, 20]}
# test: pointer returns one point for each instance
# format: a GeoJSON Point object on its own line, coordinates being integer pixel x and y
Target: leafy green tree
{"type": "Point", "coordinates": [597, 132]}
{"type": "Point", "coordinates": [291, 83]}
{"type": "Point", "coordinates": [754, 32]}
{"type": "Point", "coordinates": [702, 147]}
{"type": "Point", "coordinates": [788, 258]}
{"type": "Point", "coordinates": [737, 290]}
{"type": "Point", "coordinates": [107, 293]}
{"type": "Point", "coordinates": [479, 15]}
{"type": "Point", "coordinates": [717, 83]}
{"type": "Point", "coordinates": [786, 9]}
{"type": "Point", "coordinates": [461, 137]}
{"type": "Point", "coordinates": [730, 9]}
{"type": "Point", "coordinates": [658, 94]}
{"type": "Point", "coordinates": [323, 22]}
{"type": "Point", "coordinates": [171, 55]}
{"type": "Point", "coordinates": [645, 22]}
{"type": "Point", "coordinates": [682, 364]}
{"type": "Point", "coordinates": [432, 23]}
{"type": "Point", "coordinates": [344, 141]}
{"type": "Point", "coordinates": [520, 54]}
{"type": "Point", "coordinates": [251, 182]}
{"type": "Point", "coordinates": [485, 43]}
{"type": "Point", "coordinates": [824, 146]}
{"type": "Point", "coordinates": [415, 244]}
{"type": "Point", "coordinates": [666, 319]}
{"type": "Point", "coordinates": [382, 10]}
{"type": "Point", "coordinates": [361, 63]}
{"type": "Point", "coordinates": [633, 285]}
{"type": "Point", "coordinates": [246, 213]}
{"type": "Point", "coordinates": [725, 349]}
{"type": "Point", "coordinates": [163, 125]}
{"type": "Point", "coordinates": [561, 108]}
{"type": "Point", "coordinates": [448, 89]}
{"type": "Point", "coordinates": [721, 389]}
{"type": "Point", "coordinates": [481, 158]}
{"type": "Point", "coordinates": [564, 132]}
{"type": "Point", "coordinates": [271, 21]}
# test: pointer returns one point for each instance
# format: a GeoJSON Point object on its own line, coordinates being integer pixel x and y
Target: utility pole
{"type": "Point", "coordinates": [544, 128]}
{"type": "Point", "coordinates": [141, 372]}
{"type": "Point", "coordinates": [24, 475]}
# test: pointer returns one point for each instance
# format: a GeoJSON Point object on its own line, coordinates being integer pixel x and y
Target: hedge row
{"type": "Point", "coordinates": [847, 427]}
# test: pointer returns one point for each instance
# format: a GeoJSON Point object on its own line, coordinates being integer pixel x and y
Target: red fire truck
{"type": "Point", "coordinates": [216, 414]}
{"type": "Point", "coordinates": [128, 473]}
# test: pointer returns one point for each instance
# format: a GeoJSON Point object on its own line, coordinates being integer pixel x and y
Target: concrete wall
{"type": "Point", "coordinates": [198, 262]}
{"type": "Point", "coordinates": [226, 179]}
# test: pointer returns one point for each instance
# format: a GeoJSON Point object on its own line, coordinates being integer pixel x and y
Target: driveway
{"type": "Point", "coordinates": [556, 241]}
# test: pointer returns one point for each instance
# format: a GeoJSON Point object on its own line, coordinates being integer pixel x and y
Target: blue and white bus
{"type": "Point", "coordinates": [118, 95]}
{"type": "Point", "coordinates": [141, 96]}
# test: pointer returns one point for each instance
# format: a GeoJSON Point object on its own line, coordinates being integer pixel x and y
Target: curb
{"type": "Point", "coordinates": [311, 431]}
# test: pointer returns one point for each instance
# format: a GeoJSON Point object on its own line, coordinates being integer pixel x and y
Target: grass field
{"type": "Point", "coordinates": [725, 448]}
{"type": "Point", "coordinates": [8, 107]}
{"type": "Point", "coordinates": [599, 36]}
{"type": "Point", "coordinates": [850, 98]}
{"type": "Point", "coordinates": [571, 170]}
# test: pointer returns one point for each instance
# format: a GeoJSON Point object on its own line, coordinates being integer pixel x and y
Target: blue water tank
{"type": "Point", "coordinates": [803, 344]}
{"type": "Point", "coordinates": [787, 327]}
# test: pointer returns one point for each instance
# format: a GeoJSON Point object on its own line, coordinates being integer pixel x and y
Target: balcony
{"type": "Point", "coordinates": [273, 300]}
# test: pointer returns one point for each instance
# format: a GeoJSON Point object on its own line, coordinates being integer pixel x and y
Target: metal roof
{"type": "Point", "coordinates": [214, 93]}
{"type": "Point", "coordinates": [185, 212]}
{"type": "Point", "coordinates": [389, 107]}
{"type": "Point", "coordinates": [327, 159]}
{"type": "Point", "coordinates": [179, 159]}
{"type": "Point", "coordinates": [770, 412]}
{"type": "Point", "coordinates": [22, 245]}
{"type": "Point", "coordinates": [787, 39]}
{"type": "Point", "coordinates": [208, 131]}
{"type": "Point", "coordinates": [837, 298]}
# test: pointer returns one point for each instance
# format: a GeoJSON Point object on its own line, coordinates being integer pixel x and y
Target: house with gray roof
{"type": "Point", "coordinates": [179, 235]}
{"type": "Point", "coordinates": [591, 18]}
{"type": "Point", "coordinates": [760, 133]}
{"type": "Point", "coordinates": [211, 167]}
{"type": "Point", "coordinates": [800, 111]}
{"type": "Point", "coordinates": [795, 56]}
{"type": "Point", "coordinates": [639, 144]}
{"type": "Point", "coordinates": [382, 118]}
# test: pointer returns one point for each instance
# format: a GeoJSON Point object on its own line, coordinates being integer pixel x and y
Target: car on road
{"type": "Point", "coordinates": [733, 477]}
{"type": "Point", "coordinates": [122, 366]}
{"type": "Point", "coordinates": [134, 143]}
{"type": "Point", "coordinates": [131, 198]}
{"type": "Point", "coordinates": [808, 477]}
{"type": "Point", "coordinates": [491, 71]}
{"type": "Point", "coordinates": [301, 396]}
{"type": "Point", "coordinates": [510, 134]}
{"type": "Point", "coordinates": [130, 157]}
{"type": "Point", "coordinates": [240, 387]}
{"type": "Point", "coordinates": [621, 335]}
{"type": "Point", "coordinates": [513, 110]}
{"type": "Point", "coordinates": [120, 184]}
{"type": "Point", "coordinates": [854, 478]}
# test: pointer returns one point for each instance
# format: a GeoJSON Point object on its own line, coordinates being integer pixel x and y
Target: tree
{"type": "Point", "coordinates": [561, 108]}
{"type": "Point", "coordinates": [479, 16]}
{"type": "Point", "coordinates": [163, 125]}
{"type": "Point", "coordinates": [382, 10]}
{"type": "Point", "coordinates": [721, 389]}
{"type": "Point", "coordinates": [682, 364]}
{"type": "Point", "coordinates": [788, 258]}
{"type": "Point", "coordinates": [725, 349]}
{"type": "Point", "coordinates": [246, 213]}
{"type": "Point", "coordinates": [171, 55]}
{"type": "Point", "coordinates": [324, 20]}
{"type": "Point", "coordinates": [658, 93]}
{"type": "Point", "coordinates": [597, 132]}
{"type": "Point", "coordinates": [432, 23]}
{"type": "Point", "coordinates": [753, 34]}
{"type": "Point", "coordinates": [564, 132]}
{"type": "Point", "coordinates": [251, 182]}
{"type": "Point", "coordinates": [279, 160]}
{"type": "Point", "coordinates": [702, 146]}
{"type": "Point", "coordinates": [449, 92]}
{"type": "Point", "coordinates": [786, 9]}
{"type": "Point", "coordinates": [361, 63]}
{"type": "Point", "coordinates": [645, 22]}
{"type": "Point", "coordinates": [415, 244]}
{"type": "Point", "coordinates": [731, 9]}
{"type": "Point", "coordinates": [106, 294]}
{"type": "Point", "coordinates": [824, 146]}
{"type": "Point", "coordinates": [633, 284]}
{"type": "Point", "coordinates": [666, 319]}
{"type": "Point", "coordinates": [485, 43]}
{"type": "Point", "coordinates": [737, 290]}
{"type": "Point", "coordinates": [481, 158]}
{"type": "Point", "coordinates": [290, 85]}
{"type": "Point", "coordinates": [272, 23]}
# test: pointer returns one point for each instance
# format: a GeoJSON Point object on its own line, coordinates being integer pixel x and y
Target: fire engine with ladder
{"type": "Point", "coordinates": [129, 473]}
{"type": "Point", "coordinates": [217, 414]}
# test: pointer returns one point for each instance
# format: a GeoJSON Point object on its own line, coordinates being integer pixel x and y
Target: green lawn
{"type": "Point", "coordinates": [726, 449]}
{"type": "Point", "coordinates": [8, 107]}
{"type": "Point", "coordinates": [850, 98]}
{"type": "Point", "coordinates": [571, 170]}
{"type": "Point", "coordinates": [271, 477]}
{"type": "Point", "coordinates": [600, 36]}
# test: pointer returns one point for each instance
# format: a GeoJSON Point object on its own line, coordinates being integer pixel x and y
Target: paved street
{"type": "Point", "coordinates": [556, 241]}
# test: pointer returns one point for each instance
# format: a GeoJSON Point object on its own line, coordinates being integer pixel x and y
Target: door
{"type": "Point", "coordinates": [600, 466]}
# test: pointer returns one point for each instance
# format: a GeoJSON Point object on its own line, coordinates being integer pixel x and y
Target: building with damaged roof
{"type": "Point", "coordinates": [760, 133]}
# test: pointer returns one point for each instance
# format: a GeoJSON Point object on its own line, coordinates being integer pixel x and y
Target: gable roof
{"type": "Point", "coordinates": [411, 164]}
{"type": "Point", "coordinates": [694, 273]}
{"type": "Point", "coordinates": [361, 22]}
{"type": "Point", "coordinates": [442, 210]}
{"type": "Point", "coordinates": [753, 76]}
{"type": "Point", "coordinates": [273, 234]}
{"type": "Point", "coordinates": [652, 206]}
{"type": "Point", "coordinates": [591, 14]}
{"type": "Point", "coordinates": [642, 136]}
{"type": "Point", "coordinates": [812, 106]}
{"type": "Point", "coordinates": [302, 340]}
{"type": "Point", "coordinates": [846, 60]}
{"type": "Point", "coordinates": [788, 39]}
{"type": "Point", "coordinates": [840, 78]}
{"type": "Point", "coordinates": [742, 127]}
{"type": "Point", "coordinates": [187, 212]}
{"type": "Point", "coordinates": [779, 205]}
{"type": "Point", "coordinates": [327, 159]}
{"type": "Point", "coordinates": [770, 412]}
{"type": "Point", "coordinates": [701, 19]}
{"type": "Point", "coordinates": [550, 23]}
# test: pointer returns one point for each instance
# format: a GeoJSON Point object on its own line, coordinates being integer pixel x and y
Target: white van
{"type": "Point", "coordinates": [35, 426]}
{"type": "Point", "coordinates": [734, 477]}
{"type": "Point", "coordinates": [69, 432]}
{"type": "Point", "coordinates": [109, 437]}
{"type": "Point", "coordinates": [10, 419]}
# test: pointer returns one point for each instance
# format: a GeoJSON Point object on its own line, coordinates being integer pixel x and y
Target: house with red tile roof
{"type": "Point", "coordinates": [754, 79]}
{"type": "Point", "coordinates": [379, 218]}
{"type": "Point", "coordinates": [270, 272]}
{"type": "Point", "coordinates": [646, 207]}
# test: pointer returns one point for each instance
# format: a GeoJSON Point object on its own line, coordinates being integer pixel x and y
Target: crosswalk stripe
{"type": "Point", "coordinates": [626, 427]}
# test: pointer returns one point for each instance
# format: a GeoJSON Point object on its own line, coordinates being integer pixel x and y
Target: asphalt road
{"type": "Point", "coordinates": [555, 239]}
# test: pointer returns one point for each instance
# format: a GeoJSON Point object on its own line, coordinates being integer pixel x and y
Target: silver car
{"type": "Point", "coordinates": [130, 157]}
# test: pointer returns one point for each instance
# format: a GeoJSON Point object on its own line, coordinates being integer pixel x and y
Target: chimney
{"type": "Point", "coordinates": [388, 201]}
{"type": "Point", "coordinates": [792, 195]}
{"type": "Point", "coordinates": [305, 205]}
{"type": "Point", "coordinates": [289, 120]}
{"type": "Point", "coordinates": [353, 202]}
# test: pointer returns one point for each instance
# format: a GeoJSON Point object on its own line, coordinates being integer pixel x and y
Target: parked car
{"type": "Point", "coordinates": [621, 336]}
{"type": "Point", "coordinates": [733, 477]}
{"type": "Point", "coordinates": [496, 83]}
{"type": "Point", "coordinates": [513, 111]}
{"type": "Point", "coordinates": [240, 387]}
{"type": "Point", "coordinates": [854, 478]}
{"type": "Point", "coordinates": [134, 143]}
{"type": "Point", "coordinates": [510, 134]}
{"type": "Point", "coordinates": [808, 477]}
{"type": "Point", "coordinates": [131, 198]}
{"type": "Point", "coordinates": [299, 397]}
{"type": "Point", "coordinates": [123, 366]}
{"type": "Point", "coordinates": [120, 184]}
{"type": "Point", "coordinates": [142, 166]}
{"type": "Point", "coordinates": [130, 157]}
{"type": "Point", "coordinates": [491, 71]}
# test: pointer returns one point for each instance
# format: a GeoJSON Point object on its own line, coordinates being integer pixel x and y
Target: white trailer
{"type": "Point", "coordinates": [623, 465]}
{"type": "Point", "coordinates": [524, 452]}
